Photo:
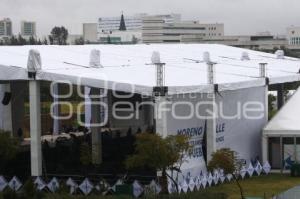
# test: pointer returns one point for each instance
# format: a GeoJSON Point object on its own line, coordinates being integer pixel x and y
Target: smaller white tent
{"type": "Point", "coordinates": [281, 136]}
{"type": "Point", "coordinates": [287, 120]}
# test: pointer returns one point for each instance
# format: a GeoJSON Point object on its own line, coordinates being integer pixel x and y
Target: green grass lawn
{"type": "Point", "coordinates": [270, 185]}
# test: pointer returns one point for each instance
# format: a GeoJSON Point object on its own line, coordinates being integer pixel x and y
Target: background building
{"type": "Point", "coordinates": [160, 29]}
{"type": "Point", "coordinates": [5, 28]}
{"type": "Point", "coordinates": [90, 32]}
{"type": "Point", "coordinates": [28, 29]}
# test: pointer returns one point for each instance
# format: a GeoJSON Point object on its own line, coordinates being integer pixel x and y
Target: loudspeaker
{"type": "Point", "coordinates": [6, 98]}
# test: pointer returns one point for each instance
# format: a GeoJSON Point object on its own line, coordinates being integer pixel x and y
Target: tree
{"type": "Point", "coordinates": [32, 41]}
{"type": "Point", "coordinates": [227, 160]}
{"type": "Point", "coordinates": [45, 42]}
{"type": "Point", "coordinates": [79, 41]}
{"type": "Point", "coordinates": [14, 41]}
{"type": "Point", "coordinates": [59, 36]}
{"type": "Point", "coordinates": [8, 147]}
{"type": "Point", "coordinates": [21, 40]}
{"type": "Point", "coordinates": [164, 154]}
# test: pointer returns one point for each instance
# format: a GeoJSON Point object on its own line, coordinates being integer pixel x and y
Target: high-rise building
{"type": "Point", "coordinates": [5, 27]}
{"type": "Point", "coordinates": [28, 28]}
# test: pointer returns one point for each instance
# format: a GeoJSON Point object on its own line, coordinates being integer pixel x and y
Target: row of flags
{"type": "Point", "coordinates": [216, 177]}
{"type": "Point", "coordinates": [187, 184]}
{"type": "Point", "coordinates": [85, 187]}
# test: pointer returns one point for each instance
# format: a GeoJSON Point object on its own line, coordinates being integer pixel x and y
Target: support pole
{"type": "Point", "coordinates": [160, 91]}
{"type": "Point", "coordinates": [265, 139]}
{"type": "Point", "coordinates": [33, 65]}
{"type": "Point", "coordinates": [96, 128]}
{"type": "Point", "coordinates": [35, 128]}
{"type": "Point", "coordinates": [211, 119]}
{"type": "Point", "coordinates": [56, 109]}
{"type": "Point", "coordinates": [280, 96]}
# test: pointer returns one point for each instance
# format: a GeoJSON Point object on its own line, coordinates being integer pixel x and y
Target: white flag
{"type": "Point", "coordinates": [192, 184]}
{"type": "Point", "coordinates": [137, 189]}
{"type": "Point", "coordinates": [229, 177]}
{"type": "Point", "coordinates": [204, 181]}
{"type": "Point", "coordinates": [243, 172]}
{"type": "Point", "coordinates": [216, 177]}
{"type": "Point", "coordinates": [72, 184]}
{"type": "Point", "coordinates": [155, 188]}
{"type": "Point", "coordinates": [3, 183]}
{"type": "Point", "coordinates": [184, 186]}
{"type": "Point", "coordinates": [258, 168]}
{"type": "Point", "coordinates": [53, 185]}
{"type": "Point", "coordinates": [209, 179]}
{"type": "Point", "coordinates": [198, 183]}
{"type": "Point", "coordinates": [119, 182]}
{"type": "Point", "coordinates": [267, 168]}
{"type": "Point", "coordinates": [250, 170]}
{"type": "Point", "coordinates": [86, 186]}
{"type": "Point", "coordinates": [15, 184]}
{"type": "Point", "coordinates": [39, 183]}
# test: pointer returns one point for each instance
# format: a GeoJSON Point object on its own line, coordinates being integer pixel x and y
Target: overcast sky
{"type": "Point", "coordinates": [239, 16]}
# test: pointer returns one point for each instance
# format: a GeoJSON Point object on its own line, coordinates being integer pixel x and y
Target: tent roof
{"type": "Point", "coordinates": [287, 120]}
{"type": "Point", "coordinates": [129, 65]}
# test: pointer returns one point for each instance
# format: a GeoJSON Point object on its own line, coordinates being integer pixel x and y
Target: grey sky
{"type": "Point", "coordinates": [239, 16]}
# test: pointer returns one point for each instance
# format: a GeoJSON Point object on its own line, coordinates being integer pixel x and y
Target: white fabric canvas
{"type": "Point", "coordinates": [198, 183]}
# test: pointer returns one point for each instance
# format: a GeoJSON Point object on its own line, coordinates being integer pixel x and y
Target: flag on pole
{"type": "Point", "coordinates": [39, 183]}
{"type": "Point", "coordinates": [86, 186]}
{"type": "Point", "coordinates": [137, 189]}
{"type": "Point", "coordinates": [155, 187]}
{"type": "Point", "coordinates": [210, 179]}
{"type": "Point", "coordinates": [258, 168]}
{"type": "Point", "coordinates": [243, 172]}
{"type": "Point", "coordinates": [53, 185]}
{"type": "Point", "coordinates": [192, 184]}
{"type": "Point", "coordinates": [204, 181]}
{"type": "Point", "coordinates": [72, 184]}
{"type": "Point", "coordinates": [15, 184]}
{"type": "Point", "coordinates": [250, 170]}
{"type": "Point", "coordinates": [267, 168]}
{"type": "Point", "coordinates": [184, 186]}
{"type": "Point", "coordinates": [3, 183]}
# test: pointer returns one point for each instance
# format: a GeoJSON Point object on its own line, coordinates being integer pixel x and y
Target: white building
{"type": "Point", "coordinates": [90, 32]}
{"type": "Point", "coordinates": [293, 35]}
{"type": "Point", "coordinates": [5, 28]}
{"type": "Point", "coordinates": [28, 28]}
{"type": "Point", "coordinates": [158, 29]}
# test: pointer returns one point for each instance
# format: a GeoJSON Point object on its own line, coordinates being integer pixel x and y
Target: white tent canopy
{"type": "Point", "coordinates": [287, 121]}
{"type": "Point", "coordinates": [125, 66]}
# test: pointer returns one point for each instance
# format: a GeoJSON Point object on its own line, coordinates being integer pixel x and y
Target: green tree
{"type": "Point", "coordinates": [79, 41]}
{"type": "Point", "coordinates": [163, 154]}
{"type": "Point", "coordinates": [59, 35]}
{"type": "Point", "coordinates": [227, 160]}
{"type": "Point", "coordinates": [85, 155]}
{"type": "Point", "coordinates": [32, 41]}
{"type": "Point", "coordinates": [45, 42]}
{"type": "Point", "coordinates": [8, 147]}
{"type": "Point", "coordinates": [21, 40]}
